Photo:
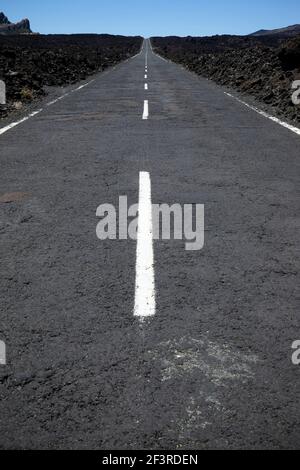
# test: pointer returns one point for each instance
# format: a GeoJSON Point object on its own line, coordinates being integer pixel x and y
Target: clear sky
{"type": "Point", "coordinates": [154, 17]}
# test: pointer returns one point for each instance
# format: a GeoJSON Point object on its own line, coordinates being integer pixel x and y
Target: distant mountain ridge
{"type": "Point", "coordinates": [6, 27]}
{"type": "Point", "coordinates": [4, 19]}
{"type": "Point", "coordinates": [289, 31]}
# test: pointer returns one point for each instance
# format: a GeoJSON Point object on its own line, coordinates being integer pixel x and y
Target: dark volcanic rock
{"type": "Point", "coordinates": [289, 54]}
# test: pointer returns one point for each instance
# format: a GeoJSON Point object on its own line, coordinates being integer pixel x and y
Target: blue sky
{"type": "Point", "coordinates": [154, 17]}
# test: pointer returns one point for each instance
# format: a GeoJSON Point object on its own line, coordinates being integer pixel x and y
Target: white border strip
{"type": "Point", "coordinates": [294, 129]}
{"type": "Point", "coordinates": [14, 124]}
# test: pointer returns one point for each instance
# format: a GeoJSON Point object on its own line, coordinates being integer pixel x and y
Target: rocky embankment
{"type": "Point", "coordinates": [29, 63]}
{"type": "Point", "coordinates": [264, 67]}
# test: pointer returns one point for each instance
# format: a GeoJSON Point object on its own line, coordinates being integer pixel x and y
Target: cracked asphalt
{"type": "Point", "coordinates": [212, 369]}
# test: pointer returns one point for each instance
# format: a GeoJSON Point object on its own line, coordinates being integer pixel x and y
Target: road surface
{"type": "Point", "coordinates": [211, 367]}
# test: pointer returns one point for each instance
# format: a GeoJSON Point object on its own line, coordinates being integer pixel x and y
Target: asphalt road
{"type": "Point", "coordinates": [212, 368]}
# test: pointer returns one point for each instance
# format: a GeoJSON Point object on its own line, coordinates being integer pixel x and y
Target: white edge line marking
{"type": "Point", "coordinates": [144, 305]}
{"type": "Point", "coordinates": [72, 91]}
{"type": "Point", "coordinates": [162, 58]}
{"type": "Point", "coordinates": [14, 124]}
{"type": "Point", "coordinates": [146, 110]}
{"type": "Point", "coordinates": [83, 86]}
{"type": "Point", "coordinates": [139, 53]}
{"type": "Point", "coordinates": [57, 99]}
{"type": "Point", "coordinates": [294, 129]}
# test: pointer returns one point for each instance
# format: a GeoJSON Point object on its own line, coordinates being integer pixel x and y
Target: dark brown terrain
{"type": "Point", "coordinates": [263, 66]}
{"type": "Point", "coordinates": [29, 63]}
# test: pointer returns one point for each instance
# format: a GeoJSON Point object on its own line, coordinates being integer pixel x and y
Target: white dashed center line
{"type": "Point", "coordinates": [145, 282]}
{"type": "Point", "coordinates": [146, 110]}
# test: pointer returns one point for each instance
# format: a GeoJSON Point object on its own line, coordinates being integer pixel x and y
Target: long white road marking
{"type": "Point", "coordinates": [83, 86]}
{"type": "Point", "coordinates": [145, 283]}
{"type": "Point", "coordinates": [146, 86]}
{"type": "Point", "coordinates": [294, 129]}
{"type": "Point", "coordinates": [72, 91]}
{"type": "Point", "coordinates": [139, 53]}
{"type": "Point", "coordinates": [146, 110]}
{"type": "Point", "coordinates": [57, 99]}
{"type": "Point", "coordinates": [14, 124]}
